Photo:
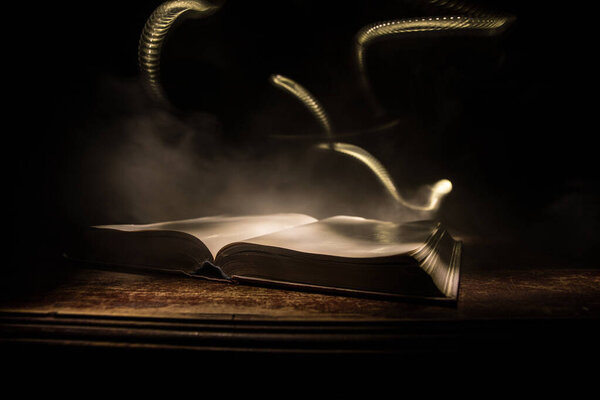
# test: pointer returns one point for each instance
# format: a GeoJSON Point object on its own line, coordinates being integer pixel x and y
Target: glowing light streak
{"type": "Point", "coordinates": [153, 37]}
{"type": "Point", "coordinates": [437, 191]}
{"type": "Point", "coordinates": [158, 24]}
{"type": "Point", "coordinates": [472, 20]}
{"type": "Point", "coordinates": [307, 99]}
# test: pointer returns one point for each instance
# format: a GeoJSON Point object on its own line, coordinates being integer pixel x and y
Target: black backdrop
{"type": "Point", "coordinates": [506, 118]}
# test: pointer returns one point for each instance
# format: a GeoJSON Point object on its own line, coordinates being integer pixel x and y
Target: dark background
{"type": "Point", "coordinates": [506, 118]}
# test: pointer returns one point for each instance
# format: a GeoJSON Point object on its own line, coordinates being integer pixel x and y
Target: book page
{"type": "Point", "coordinates": [217, 231]}
{"type": "Point", "coordinates": [354, 237]}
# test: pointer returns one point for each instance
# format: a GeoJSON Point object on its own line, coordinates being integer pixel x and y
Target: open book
{"type": "Point", "coordinates": [341, 254]}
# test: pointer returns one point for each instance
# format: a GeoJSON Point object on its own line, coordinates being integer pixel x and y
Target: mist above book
{"type": "Point", "coordinates": [341, 254]}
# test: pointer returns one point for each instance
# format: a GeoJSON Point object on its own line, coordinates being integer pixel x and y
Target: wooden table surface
{"type": "Point", "coordinates": [507, 294]}
{"type": "Point", "coordinates": [500, 311]}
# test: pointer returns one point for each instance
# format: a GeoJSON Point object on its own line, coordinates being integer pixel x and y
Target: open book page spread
{"type": "Point", "coordinates": [355, 237]}
{"type": "Point", "coordinates": [215, 232]}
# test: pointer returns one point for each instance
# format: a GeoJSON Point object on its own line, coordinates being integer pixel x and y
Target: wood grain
{"type": "Point", "coordinates": [541, 293]}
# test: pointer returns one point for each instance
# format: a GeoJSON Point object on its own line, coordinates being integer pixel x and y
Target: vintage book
{"type": "Point", "coordinates": [341, 254]}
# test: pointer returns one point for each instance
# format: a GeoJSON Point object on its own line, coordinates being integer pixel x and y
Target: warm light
{"type": "Point", "coordinates": [476, 21]}
{"type": "Point", "coordinates": [159, 23]}
{"type": "Point", "coordinates": [306, 98]}
{"type": "Point", "coordinates": [437, 191]}
{"type": "Point", "coordinates": [442, 187]}
{"type": "Point", "coordinates": [154, 34]}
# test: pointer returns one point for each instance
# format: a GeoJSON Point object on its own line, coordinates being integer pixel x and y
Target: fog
{"type": "Point", "coordinates": [500, 117]}
{"type": "Point", "coordinates": [145, 164]}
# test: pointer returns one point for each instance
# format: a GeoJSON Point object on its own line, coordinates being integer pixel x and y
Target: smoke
{"type": "Point", "coordinates": [136, 162]}
{"type": "Point", "coordinates": [141, 163]}
{"type": "Point", "coordinates": [94, 150]}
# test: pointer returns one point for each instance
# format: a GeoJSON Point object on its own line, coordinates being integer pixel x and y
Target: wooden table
{"type": "Point", "coordinates": [531, 313]}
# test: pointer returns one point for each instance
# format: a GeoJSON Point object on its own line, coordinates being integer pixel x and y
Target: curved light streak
{"type": "Point", "coordinates": [437, 191]}
{"type": "Point", "coordinates": [162, 19]}
{"type": "Point", "coordinates": [307, 98]}
{"type": "Point", "coordinates": [153, 37]}
{"type": "Point", "coordinates": [474, 20]}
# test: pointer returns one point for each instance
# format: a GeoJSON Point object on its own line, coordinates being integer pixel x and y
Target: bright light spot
{"type": "Point", "coordinates": [437, 191]}
{"type": "Point", "coordinates": [442, 187]}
